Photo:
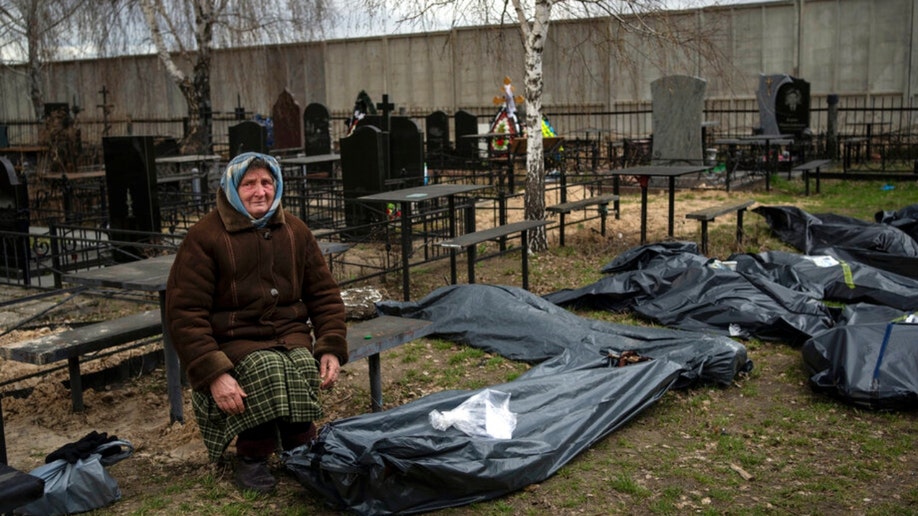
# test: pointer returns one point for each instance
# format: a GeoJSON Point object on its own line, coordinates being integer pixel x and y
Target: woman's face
{"type": "Point", "coordinates": [256, 190]}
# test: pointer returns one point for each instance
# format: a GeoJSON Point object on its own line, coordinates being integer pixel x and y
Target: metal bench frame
{"type": "Point", "coordinates": [72, 344]}
{"type": "Point", "coordinates": [471, 240]}
{"type": "Point", "coordinates": [808, 167]}
{"type": "Point", "coordinates": [566, 207]}
{"type": "Point", "coordinates": [709, 214]}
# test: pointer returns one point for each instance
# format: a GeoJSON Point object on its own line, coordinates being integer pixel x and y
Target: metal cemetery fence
{"type": "Point", "coordinates": [39, 258]}
{"type": "Point", "coordinates": [70, 222]}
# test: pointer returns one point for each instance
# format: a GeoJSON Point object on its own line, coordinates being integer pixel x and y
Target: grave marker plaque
{"type": "Point", "coordinates": [130, 178]}
{"type": "Point", "coordinates": [248, 136]}
{"type": "Point", "coordinates": [678, 107]}
{"type": "Point", "coordinates": [288, 129]}
{"type": "Point", "coordinates": [792, 107]}
{"type": "Point", "coordinates": [784, 104]}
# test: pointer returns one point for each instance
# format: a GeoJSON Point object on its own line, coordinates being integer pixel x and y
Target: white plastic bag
{"type": "Point", "coordinates": [486, 414]}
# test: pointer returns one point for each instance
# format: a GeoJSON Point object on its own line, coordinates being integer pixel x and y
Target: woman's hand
{"type": "Point", "coordinates": [228, 394]}
{"type": "Point", "coordinates": [328, 370]}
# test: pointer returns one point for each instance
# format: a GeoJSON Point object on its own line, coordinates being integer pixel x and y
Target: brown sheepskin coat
{"type": "Point", "coordinates": [235, 289]}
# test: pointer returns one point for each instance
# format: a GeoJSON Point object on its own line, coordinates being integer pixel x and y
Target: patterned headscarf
{"type": "Point", "coordinates": [237, 168]}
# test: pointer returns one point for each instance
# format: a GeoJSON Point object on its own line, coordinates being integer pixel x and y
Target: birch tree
{"type": "Point", "coordinates": [185, 33]}
{"type": "Point", "coordinates": [648, 19]}
{"type": "Point", "coordinates": [534, 31]}
{"type": "Point", "coordinates": [32, 32]}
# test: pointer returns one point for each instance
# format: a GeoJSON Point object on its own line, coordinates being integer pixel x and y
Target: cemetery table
{"type": "Point", "coordinates": [148, 275]}
{"type": "Point", "coordinates": [594, 144]}
{"type": "Point", "coordinates": [200, 161]}
{"type": "Point", "coordinates": [405, 197]}
{"type": "Point", "coordinates": [509, 155]}
{"type": "Point", "coordinates": [305, 161]}
{"type": "Point", "coordinates": [868, 131]}
{"type": "Point", "coordinates": [519, 147]}
{"type": "Point", "coordinates": [644, 173]}
{"type": "Point", "coordinates": [766, 141]}
{"type": "Point", "coordinates": [24, 155]}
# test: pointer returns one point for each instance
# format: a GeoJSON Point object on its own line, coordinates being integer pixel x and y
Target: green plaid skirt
{"type": "Point", "coordinates": [278, 384]}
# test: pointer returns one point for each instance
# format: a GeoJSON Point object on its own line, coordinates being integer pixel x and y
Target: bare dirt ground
{"type": "Point", "coordinates": [169, 472]}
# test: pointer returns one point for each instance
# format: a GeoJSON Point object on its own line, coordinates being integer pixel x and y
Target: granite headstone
{"type": "Point", "coordinates": [248, 136]}
{"type": "Point", "coordinates": [678, 107]}
{"type": "Point", "coordinates": [784, 104]}
{"type": "Point", "coordinates": [288, 120]}
{"type": "Point", "coordinates": [364, 155]}
{"type": "Point", "coordinates": [437, 139]}
{"type": "Point", "coordinates": [130, 179]}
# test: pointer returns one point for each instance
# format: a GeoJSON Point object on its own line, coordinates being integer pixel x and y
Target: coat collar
{"type": "Point", "coordinates": [234, 221]}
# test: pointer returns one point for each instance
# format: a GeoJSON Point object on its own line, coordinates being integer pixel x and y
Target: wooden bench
{"type": "Point", "coordinates": [566, 207]}
{"type": "Point", "coordinates": [810, 166]}
{"type": "Point", "coordinates": [367, 339]}
{"type": "Point", "coordinates": [709, 214]}
{"type": "Point", "coordinates": [72, 344]}
{"type": "Point", "coordinates": [469, 241]}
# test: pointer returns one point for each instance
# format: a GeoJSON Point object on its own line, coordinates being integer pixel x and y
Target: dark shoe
{"type": "Point", "coordinates": [253, 474]}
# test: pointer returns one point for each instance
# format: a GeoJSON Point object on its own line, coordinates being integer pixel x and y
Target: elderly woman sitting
{"type": "Point", "coordinates": [257, 320]}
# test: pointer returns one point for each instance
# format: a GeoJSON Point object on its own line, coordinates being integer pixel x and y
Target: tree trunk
{"type": "Point", "coordinates": [534, 37]}
{"type": "Point", "coordinates": [35, 64]}
{"type": "Point", "coordinates": [199, 139]}
{"type": "Point", "coordinates": [196, 92]}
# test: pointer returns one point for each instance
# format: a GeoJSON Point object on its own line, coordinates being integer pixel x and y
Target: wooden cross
{"type": "Point", "coordinates": [106, 110]}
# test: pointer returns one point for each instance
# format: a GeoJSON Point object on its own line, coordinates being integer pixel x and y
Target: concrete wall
{"type": "Point", "coordinates": [861, 48]}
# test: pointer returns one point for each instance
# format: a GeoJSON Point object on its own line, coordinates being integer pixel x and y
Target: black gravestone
{"type": "Point", "coordinates": [316, 122]}
{"type": "Point", "coordinates": [363, 172]}
{"type": "Point", "coordinates": [130, 178]}
{"type": "Point", "coordinates": [466, 124]}
{"type": "Point", "coordinates": [792, 107]}
{"type": "Point", "coordinates": [406, 151]}
{"type": "Point", "coordinates": [14, 217]}
{"type": "Point", "coordinates": [317, 129]}
{"type": "Point", "coordinates": [4, 137]}
{"type": "Point", "coordinates": [248, 136]}
{"type": "Point", "coordinates": [406, 167]}
{"type": "Point", "coordinates": [437, 139]}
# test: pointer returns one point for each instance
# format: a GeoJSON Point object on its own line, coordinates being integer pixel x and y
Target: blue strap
{"type": "Point", "coordinates": [875, 383]}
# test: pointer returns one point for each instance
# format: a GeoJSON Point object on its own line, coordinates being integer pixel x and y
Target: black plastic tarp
{"type": "Point", "coordinates": [866, 313]}
{"type": "Point", "coordinates": [675, 286]}
{"type": "Point", "coordinates": [887, 244]}
{"type": "Point", "coordinates": [870, 365]}
{"type": "Point", "coordinates": [832, 279]}
{"type": "Point", "coordinates": [639, 273]}
{"type": "Point", "coordinates": [737, 304]}
{"type": "Point", "coordinates": [905, 219]}
{"type": "Point", "coordinates": [396, 462]}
